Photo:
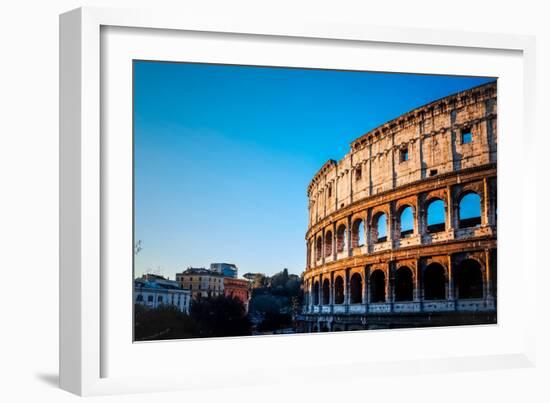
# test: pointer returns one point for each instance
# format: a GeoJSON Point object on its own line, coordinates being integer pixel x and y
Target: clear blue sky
{"type": "Point", "coordinates": [224, 154]}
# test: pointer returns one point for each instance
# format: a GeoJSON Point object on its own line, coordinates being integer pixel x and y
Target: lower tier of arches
{"type": "Point", "coordinates": [441, 282]}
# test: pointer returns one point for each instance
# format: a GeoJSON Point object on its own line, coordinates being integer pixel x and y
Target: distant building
{"type": "Point", "coordinates": [154, 291]}
{"type": "Point", "coordinates": [237, 288]}
{"type": "Point", "coordinates": [201, 282]}
{"type": "Point", "coordinates": [225, 269]}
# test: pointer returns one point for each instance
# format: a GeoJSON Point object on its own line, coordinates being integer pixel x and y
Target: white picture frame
{"type": "Point", "coordinates": [86, 344]}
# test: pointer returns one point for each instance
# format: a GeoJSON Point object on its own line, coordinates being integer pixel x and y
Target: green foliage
{"type": "Point", "coordinates": [163, 323]}
{"type": "Point", "coordinates": [260, 280]}
{"type": "Point", "coordinates": [266, 303]}
{"type": "Point", "coordinates": [274, 321]}
{"type": "Point", "coordinates": [220, 316]}
{"type": "Point", "coordinates": [273, 303]}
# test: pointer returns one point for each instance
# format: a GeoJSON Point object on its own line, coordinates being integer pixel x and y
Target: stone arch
{"type": "Point", "coordinates": [358, 233]}
{"type": "Point", "coordinates": [379, 227]}
{"type": "Point", "coordinates": [378, 286]}
{"type": "Point", "coordinates": [434, 282]}
{"type": "Point", "coordinates": [328, 243]}
{"type": "Point", "coordinates": [326, 291]}
{"type": "Point", "coordinates": [469, 210]}
{"type": "Point", "coordinates": [316, 292]}
{"type": "Point", "coordinates": [435, 215]}
{"type": "Point", "coordinates": [404, 284]}
{"type": "Point", "coordinates": [406, 221]}
{"type": "Point", "coordinates": [318, 248]}
{"type": "Point", "coordinates": [338, 290]}
{"type": "Point", "coordinates": [341, 238]}
{"type": "Point", "coordinates": [356, 288]}
{"type": "Point", "coordinates": [468, 279]}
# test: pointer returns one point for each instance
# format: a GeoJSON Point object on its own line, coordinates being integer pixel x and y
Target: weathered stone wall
{"type": "Point", "coordinates": [358, 278]}
{"type": "Point", "coordinates": [432, 138]}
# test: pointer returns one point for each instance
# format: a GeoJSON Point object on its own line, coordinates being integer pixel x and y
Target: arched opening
{"type": "Point", "coordinates": [469, 210]}
{"type": "Point", "coordinates": [469, 280]}
{"type": "Point", "coordinates": [316, 293]}
{"type": "Point", "coordinates": [380, 228]}
{"type": "Point", "coordinates": [404, 284]}
{"type": "Point", "coordinates": [339, 290]}
{"type": "Point", "coordinates": [357, 233]}
{"type": "Point", "coordinates": [406, 222]}
{"type": "Point", "coordinates": [326, 291]}
{"type": "Point", "coordinates": [378, 286]}
{"type": "Point", "coordinates": [318, 248]}
{"type": "Point", "coordinates": [434, 282]}
{"type": "Point", "coordinates": [356, 289]}
{"type": "Point", "coordinates": [436, 216]}
{"type": "Point", "coordinates": [341, 238]}
{"type": "Point", "coordinates": [328, 243]}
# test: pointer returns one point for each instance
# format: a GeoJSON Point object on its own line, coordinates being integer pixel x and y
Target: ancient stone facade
{"type": "Point", "coordinates": [402, 230]}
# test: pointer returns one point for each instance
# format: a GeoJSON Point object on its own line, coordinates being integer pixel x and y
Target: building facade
{"type": "Point", "coordinates": [402, 230]}
{"type": "Point", "coordinates": [238, 288]}
{"type": "Point", "coordinates": [201, 282]}
{"type": "Point", "coordinates": [225, 269]}
{"type": "Point", "coordinates": [155, 291]}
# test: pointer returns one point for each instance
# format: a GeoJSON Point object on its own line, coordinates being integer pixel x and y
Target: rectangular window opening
{"type": "Point", "coordinates": [466, 135]}
{"type": "Point", "coordinates": [404, 155]}
{"type": "Point", "coordinates": [358, 173]}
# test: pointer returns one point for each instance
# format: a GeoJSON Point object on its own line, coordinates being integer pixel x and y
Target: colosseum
{"type": "Point", "coordinates": [402, 230]}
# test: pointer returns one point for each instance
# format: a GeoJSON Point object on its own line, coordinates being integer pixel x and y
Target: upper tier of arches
{"type": "Point", "coordinates": [440, 214]}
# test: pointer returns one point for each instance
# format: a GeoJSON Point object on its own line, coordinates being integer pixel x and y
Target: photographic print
{"type": "Point", "coordinates": [275, 200]}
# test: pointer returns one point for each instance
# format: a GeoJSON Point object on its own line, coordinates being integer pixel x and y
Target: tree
{"type": "Point", "coordinates": [274, 321]}
{"type": "Point", "coordinates": [260, 280]}
{"type": "Point", "coordinates": [220, 316]}
{"type": "Point", "coordinates": [265, 303]}
{"type": "Point", "coordinates": [163, 323]}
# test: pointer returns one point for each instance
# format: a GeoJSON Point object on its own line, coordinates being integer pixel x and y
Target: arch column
{"type": "Point", "coordinates": [308, 257]}
{"type": "Point", "coordinates": [449, 213]}
{"type": "Point", "coordinates": [331, 292]}
{"type": "Point", "coordinates": [391, 285]}
{"type": "Point", "coordinates": [365, 290]}
{"type": "Point", "coordinates": [334, 242]}
{"type": "Point", "coordinates": [368, 228]}
{"type": "Point", "coordinates": [390, 224]}
{"type": "Point", "coordinates": [417, 215]}
{"type": "Point", "coordinates": [310, 295]}
{"type": "Point", "coordinates": [487, 288]}
{"type": "Point", "coordinates": [323, 240]}
{"type": "Point", "coordinates": [486, 205]}
{"type": "Point", "coordinates": [451, 295]}
{"type": "Point", "coordinates": [346, 288]}
{"type": "Point", "coordinates": [320, 290]}
{"type": "Point", "coordinates": [416, 285]}
{"type": "Point", "coordinates": [388, 287]}
{"type": "Point", "coordinates": [348, 237]}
